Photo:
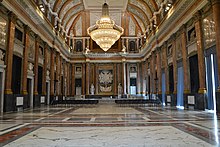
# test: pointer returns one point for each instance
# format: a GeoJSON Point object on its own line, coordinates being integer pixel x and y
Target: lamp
{"type": "Point", "coordinates": [105, 32]}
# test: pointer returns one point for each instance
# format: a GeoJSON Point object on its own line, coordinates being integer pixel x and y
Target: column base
{"type": "Point", "coordinates": [173, 99]}
{"type": "Point", "coordinates": [160, 97]}
{"type": "Point", "coordinates": [9, 103]}
{"type": "Point", "coordinates": [218, 101]}
{"type": "Point", "coordinates": [36, 101]}
{"type": "Point", "coordinates": [200, 101]}
{"type": "Point", "coordinates": [185, 100]}
{"type": "Point", "coordinates": [52, 99]}
{"type": "Point", "coordinates": [26, 103]}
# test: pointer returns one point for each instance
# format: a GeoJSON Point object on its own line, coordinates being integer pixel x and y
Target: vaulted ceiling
{"type": "Point", "coordinates": [137, 17]}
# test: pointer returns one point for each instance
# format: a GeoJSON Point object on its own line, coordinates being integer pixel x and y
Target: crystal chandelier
{"type": "Point", "coordinates": [105, 32]}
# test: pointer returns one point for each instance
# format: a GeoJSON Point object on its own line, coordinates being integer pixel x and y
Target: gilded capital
{"type": "Point", "coordinates": [27, 29]}
{"type": "Point", "coordinates": [197, 16]}
{"type": "Point", "coordinates": [213, 2]}
{"type": "Point", "coordinates": [12, 17]}
{"type": "Point", "coordinates": [37, 38]}
{"type": "Point", "coordinates": [182, 29]}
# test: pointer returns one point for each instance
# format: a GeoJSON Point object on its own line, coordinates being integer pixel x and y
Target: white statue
{"type": "Point", "coordinates": [119, 90]}
{"type": "Point", "coordinates": [92, 89]}
{"type": "Point", "coordinates": [1, 57]}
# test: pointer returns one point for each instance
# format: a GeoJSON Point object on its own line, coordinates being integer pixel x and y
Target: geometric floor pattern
{"type": "Point", "coordinates": [108, 125]}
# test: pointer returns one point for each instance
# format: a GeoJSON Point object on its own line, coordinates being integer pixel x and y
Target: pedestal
{"type": "Point", "coordinates": [9, 103]}
{"type": "Point", "coordinates": [173, 99]}
{"type": "Point", "coordinates": [200, 102]}
{"type": "Point", "coordinates": [36, 100]}
{"type": "Point", "coordinates": [218, 101]}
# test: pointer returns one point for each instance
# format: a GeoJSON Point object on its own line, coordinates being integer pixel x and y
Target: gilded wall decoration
{"type": "Point", "coordinates": [31, 51]}
{"type": "Point", "coordinates": [178, 48]}
{"type": "Point", "coordinates": [2, 57]}
{"type": "Point", "coordinates": [191, 35]}
{"type": "Point", "coordinates": [105, 81]}
{"type": "Point", "coordinates": [209, 31]}
{"type": "Point", "coordinates": [3, 24]}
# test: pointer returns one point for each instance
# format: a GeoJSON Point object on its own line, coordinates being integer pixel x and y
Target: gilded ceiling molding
{"type": "Point", "coordinates": [154, 4]}
{"type": "Point", "coordinates": [67, 3]}
{"type": "Point", "coordinates": [139, 18]}
{"type": "Point", "coordinates": [56, 4]}
{"type": "Point", "coordinates": [135, 21]}
{"type": "Point", "coordinates": [63, 6]}
{"type": "Point", "coordinates": [147, 7]}
{"type": "Point", "coordinates": [74, 23]}
{"type": "Point", "coordinates": [140, 11]}
{"type": "Point", "coordinates": [68, 12]}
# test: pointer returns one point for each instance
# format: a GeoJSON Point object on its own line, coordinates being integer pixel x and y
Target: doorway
{"type": "Point", "coordinates": [30, 90]}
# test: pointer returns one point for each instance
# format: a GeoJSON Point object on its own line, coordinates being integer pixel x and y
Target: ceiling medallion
{"type": "Point", "coordinates": [105, 32]}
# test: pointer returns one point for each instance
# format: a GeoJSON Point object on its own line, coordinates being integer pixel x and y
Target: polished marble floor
{"type": "Point", "coordinates": [109, 125]}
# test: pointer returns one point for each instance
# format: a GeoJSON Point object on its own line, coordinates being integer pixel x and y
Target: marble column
{"type": "Point", "coordinates": [44, 89]}
{"type": "Point", "coordinates": [73, 80]}
{"type": "Point", "coordinates": [115, 79]}
{"type": "Point", "coordinates": [128, 79]}
{"type": "Point", "coordinates": [83, 78]}
{"type": "Point", "coordinates": [25, 66]}
{"type": "Point", "coordinates": [216, 14]}
{"type": "Point", "coordinates": [138, 79]}
{"type": "Point", "coordinates": [9, 102]}
{"type": "Point", "coordinates": [96, 67]}
{"type": "Point", "coordinates": [87, 78]}
{"type": "Point", "coordinates": [25, 61]}
{"type": "Point", "coordinates": [57, 75]}
{"type": "Point", "coordinates": [52, 76]}
{"type": "Point", "coordinates": [159, 73]}
{"type": "Point", "coordinates": [124, 77]}
{"type": "Point", "coordinates": [185, 66]}
{"type": "Point", "coordinates": [154, 88]}
{"type": "Point", "coordinates": [36, 96]}
{"type": "Point", "coordinates": [174, 56]}
{"type": "Point", "coordinates": [143, 79]}
{"type": "Point", "coordinates": [67, 78]}
{"type": "Point", "coordinates": [151, 75]}
{"type": "Point", "coordinates": [200, 97]}
{"type": "Point", "coordinates": [60, 75]}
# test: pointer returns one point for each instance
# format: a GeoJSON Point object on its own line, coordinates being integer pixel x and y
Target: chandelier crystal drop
{"type": "Point", "coordinates": [105, 32]}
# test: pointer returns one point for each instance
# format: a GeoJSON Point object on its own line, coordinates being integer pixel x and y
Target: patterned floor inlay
{"type": "Point", "coordinates": [109, 125]}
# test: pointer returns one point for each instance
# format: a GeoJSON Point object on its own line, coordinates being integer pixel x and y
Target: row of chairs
{"type": "Point", "coordinates": [137, 102]}
{"type": "Point", "coordinates": [75, 102]}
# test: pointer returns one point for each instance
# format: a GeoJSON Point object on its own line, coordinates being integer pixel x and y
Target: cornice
{"type": "Point", "coordinates": [214, 2]}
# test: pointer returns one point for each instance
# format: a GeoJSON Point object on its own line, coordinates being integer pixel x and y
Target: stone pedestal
{"type": "Point", "coordinates": [160, 97]}
{"type": "Point", "coordinates": [36, 100]}
{"type": "Point", "coordinates": [185, 100]}
{"type": "Point", "coordinates": [26, 101]}
{"type": "Point", "coordinates": [218, 101]}
{"type": "Point", "coordinates": [52, 99]}
{"type": "Point", "coordinates": [173, 99]}
{"type": "Point", "coordinates": [9, 103]}
{"type": "Point", "coordinates": [200, 101]}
